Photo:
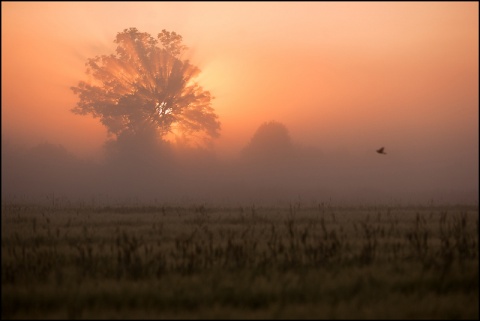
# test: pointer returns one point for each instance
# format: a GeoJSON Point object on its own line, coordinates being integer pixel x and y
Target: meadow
{"type": "Point", "coordinates": [203, 261]}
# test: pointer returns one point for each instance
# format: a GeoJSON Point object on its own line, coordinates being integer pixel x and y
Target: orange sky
{"type": "Point", "coordinates": [344, 77]}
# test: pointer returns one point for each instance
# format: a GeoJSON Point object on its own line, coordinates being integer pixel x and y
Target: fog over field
{"type": "Point", "coordinates": [294, 109]}
{"type": "Point", "coordinates": [271, 169]}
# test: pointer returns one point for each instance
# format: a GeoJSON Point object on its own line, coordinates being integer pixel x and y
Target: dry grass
{"type": "Point", "coordinates": [245, 262]}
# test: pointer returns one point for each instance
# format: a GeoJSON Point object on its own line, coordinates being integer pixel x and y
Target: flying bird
{"type": "Point", "coordinates": [380, 151]}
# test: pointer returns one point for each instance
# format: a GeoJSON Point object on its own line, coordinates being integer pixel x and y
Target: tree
{"type": "Point", "coordinates": [146, 90]}
{"type": "Point", "coordinates": [271, 141]}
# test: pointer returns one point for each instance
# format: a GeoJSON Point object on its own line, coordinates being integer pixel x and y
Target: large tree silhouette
{"type": "Point", "coordinates": [145, 90]}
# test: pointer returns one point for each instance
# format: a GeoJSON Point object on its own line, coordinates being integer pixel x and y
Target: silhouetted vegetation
{"type": "Point", "coordinates": [146, 91]}
{"type": "Point", "coordinates": [212, 262]}
{"type": "Point", "coordinates": [271, 142]}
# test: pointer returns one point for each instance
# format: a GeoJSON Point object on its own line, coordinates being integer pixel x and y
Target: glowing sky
{"type": "Point", "coordinates": [343, 77]}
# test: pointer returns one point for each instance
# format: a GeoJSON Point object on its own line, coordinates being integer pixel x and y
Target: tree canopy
{"type": "Point", "coordinates": [270, 141]}
{"type": "Point", "coordinates": [145, 89]}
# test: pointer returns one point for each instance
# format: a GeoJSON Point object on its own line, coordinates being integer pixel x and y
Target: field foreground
{"type": "Point", "coordinates": [243, 262]}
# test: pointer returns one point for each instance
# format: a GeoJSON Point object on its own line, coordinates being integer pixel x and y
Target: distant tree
{"type": "Point", "coordinates": [270, 141]}
{"type": "Point", "coordinates": [146, 90]}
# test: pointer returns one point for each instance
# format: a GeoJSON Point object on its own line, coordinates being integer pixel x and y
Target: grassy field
{"type": "Point", "coordinates": [245, 262]}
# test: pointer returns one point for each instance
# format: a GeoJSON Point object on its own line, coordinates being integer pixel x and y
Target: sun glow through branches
{"type": "Point", "coordinates": [144, 88]}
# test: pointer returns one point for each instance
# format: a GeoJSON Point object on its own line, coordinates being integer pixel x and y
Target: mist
{"type": "Point", "coordinates": [271, 169]}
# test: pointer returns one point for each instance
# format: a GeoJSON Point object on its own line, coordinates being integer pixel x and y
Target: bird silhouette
{"type": "Point", "coordinates": [380, 151]}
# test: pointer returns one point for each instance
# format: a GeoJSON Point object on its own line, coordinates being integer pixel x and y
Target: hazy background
{"type": "Point", "coordinates": [340, 80]}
